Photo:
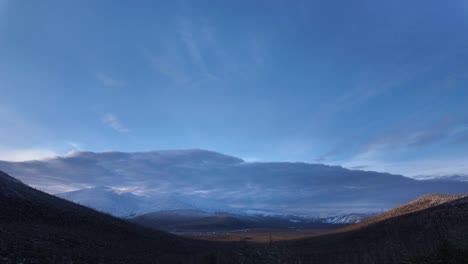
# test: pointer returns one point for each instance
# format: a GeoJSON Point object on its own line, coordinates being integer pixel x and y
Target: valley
{"type": "Point", "coordinates": [233, 132]}
{"type": "Point", "coordinates": [40, 228]}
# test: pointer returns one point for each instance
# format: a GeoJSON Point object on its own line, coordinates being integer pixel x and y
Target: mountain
{"type": "Point", "coordinates": [423, 202]}
{"type": "Point", "coordinates": [197, 221]}
{"type": "Point", "coordinates": [39, 228]}
{"type": "Point", "coordinates": [105, 199]}
{"type": "Point", "coordinates": [178, 213]}
{"type": "Point", "coordinates": [126, 204]}
{"type": "Point", "coordinates": [346, 219]}
{"type": "Point", "coordinates": [312, 190]}
{"type": "Point", "coordinates": [432, 229]}
{"type": "Point", "coordinates": [419, 204]}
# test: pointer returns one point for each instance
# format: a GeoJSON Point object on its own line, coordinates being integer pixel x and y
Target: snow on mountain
{"type": "Point", "coordinates": [346, 219]}
{"type": "Point", "coordinates": [287, 187]}
{"type": "Point", "coordinates": [257, 212]}
{"type": "Point", "coordinates": [108, 200]}
{"type": "Point", "coordinates": [127, 204]}
{"type": "Point", "coordinates": [175, 201]}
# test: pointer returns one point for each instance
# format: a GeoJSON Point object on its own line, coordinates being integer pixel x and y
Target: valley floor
{"type": "Point", "coordinates": [258, 235]}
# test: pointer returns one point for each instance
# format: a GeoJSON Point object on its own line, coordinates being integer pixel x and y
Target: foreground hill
{"type": "Point", "coordinates": [319, 190]}
{"type": "Point", "coordinates": [423, 202]}
{"type": "Point", "coordinates": [437, 234]}
{"type": "Point", "coordinates": [39, 228]}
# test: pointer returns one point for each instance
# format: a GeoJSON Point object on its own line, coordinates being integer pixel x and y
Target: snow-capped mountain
{"type": "Point", "coordinates": [127, 204]}
{"type": "Point", "coordinates": [108, 200]}
{"type": "Point", "coordinates": [287, 187]}
{"type": "Point", "coordinates": [347, 218]}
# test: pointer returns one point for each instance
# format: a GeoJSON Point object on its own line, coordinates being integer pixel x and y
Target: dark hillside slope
{"type": "Point", "coordinates": [442, 229]}
{"type": "Point", "coordinates": [419, 204]}
{"type": "Point", "coordinates": [39, 228]}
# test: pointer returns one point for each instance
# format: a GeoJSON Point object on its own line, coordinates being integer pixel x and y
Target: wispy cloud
{"type": "Point", "coordinates": [75, 145]}
{"type": "Point", "coordinates": [413, 168]}
{"type": "Point", "coordinates": [188, 31]}
{"type": "Point", "coordinates": [113, 122]}
{"type": "Point", "coordinates": [372, 82]}
{"type": "Point", "coordinates": [182, 57]}
{"type": "Point", "coordinates": [172, 66]}
{"type": "Point", "coordinates": [251, 159]}
{"type": "Point", "coordinates": [26, 154]}
{"type": "Point", "coordinates": [108, 80]}
{"type": "Point", "coordinates": [413, 147]}
{"type": "Point", "coordinates": [412, 133]}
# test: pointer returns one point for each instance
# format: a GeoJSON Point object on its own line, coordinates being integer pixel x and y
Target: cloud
{"type": "Point", "coordinates": [75, 145]}
{"type": "Point", "coordinates": [371, 83]}
{"type": "Point", "coordinates": [251, 159]}
{"type": "Point", "coordinates": [338, 149]}
{"type": "Point", "coordinates": [413, 133]}
{"type": "Point", "coordinates": [193, 45]}
{"type": "Point", "coordinates": [108, 80]}
{"type": "Point", "coordinates": [359, 167]}
{"type": "Point", "coordinates": [181, 57]}
{"type": "Point", "coordinates": [411, 168]}
{"type": "Point", "coordinates": [113, 122]}
{"type": "Point", "coordinates": [172, 66]}
{"type": "Point", "coordinates": [26, 154]}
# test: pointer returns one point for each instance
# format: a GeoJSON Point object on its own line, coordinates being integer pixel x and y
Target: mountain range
{"type": "Point", "coordinates": [40, 228]}
{"type": "Point", "coordinates": [178, 176]}
{"type": "Point", "coordinates": [178, 213]}
{"type": "Point", "coordinates": [127, 204]}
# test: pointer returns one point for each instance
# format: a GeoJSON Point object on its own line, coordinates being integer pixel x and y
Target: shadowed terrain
{"type": "Point", "coordinates": [407, 233]}
{"type": "Point", "coordinates": [36, 227]}
{"type": "Point", "coordinates": [40, 228]}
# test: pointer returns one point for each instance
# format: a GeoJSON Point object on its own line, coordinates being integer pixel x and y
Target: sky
{"type": "Point", "coordinates": [373, 85]}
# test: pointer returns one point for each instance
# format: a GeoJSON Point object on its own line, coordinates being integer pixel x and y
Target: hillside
{"type": "Point", "coordinates": [423, 202]}
{"type": "Point", "coordinates": [440, 231]}
{"type": "Point", "coordinates": [40, 228]}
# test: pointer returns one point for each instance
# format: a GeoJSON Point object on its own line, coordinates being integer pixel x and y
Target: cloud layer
{"type": "Point", "coordinates": [26, 154]}
{"type": "Point", "coordinates": [295, 187]}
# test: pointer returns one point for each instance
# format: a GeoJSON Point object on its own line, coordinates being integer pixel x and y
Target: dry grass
{"type": "Point", "coordinates": [256, 235]}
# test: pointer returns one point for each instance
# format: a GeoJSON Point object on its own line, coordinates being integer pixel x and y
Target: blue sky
{"type": "Point", "coordinates": [376, 85]}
